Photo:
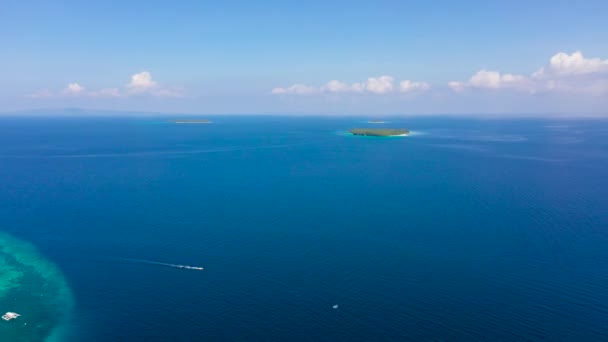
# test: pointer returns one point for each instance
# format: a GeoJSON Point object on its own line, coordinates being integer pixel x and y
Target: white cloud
{"type": "Point", "coordinates": [573, 74]}
{"type": "Point", "coordinates": [408, 86]}
{"type": "Point", "coordinates": [485, 79]}
{"type": "Point", "coordinates": [494, 80]}
{"type": "Point", "coordinates": [374, 85]}
{"type": "Point", "coordinates": [278, 90]}
{"type": "Point", "coordinates": [358, 87]}
{"type": "Point", "coordinates": [335, 86]}
{"type": "Point", "coordinates": [380, 85]}
{"type": "Point", "coordinates": [299, 89]}
{"type": "Point", "coordinates": [141, 82]}
{"type": "Point", "coordinates": [574, 64]}
{"type": "Point", "coordinates": [564, 73]}
{"type": "Point", "coordinates": [74, 89]}
{"type": "Point", "coordinates": [457, 86]}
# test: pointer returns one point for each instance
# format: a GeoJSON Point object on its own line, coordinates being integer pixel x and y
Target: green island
{"type": "Point", "coordinates": [376, 122]}
{"type": "Point", "coordinates": [192, 121]}
{"type": "Point", "coordinates": [380, 132]}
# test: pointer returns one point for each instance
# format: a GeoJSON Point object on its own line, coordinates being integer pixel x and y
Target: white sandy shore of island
{"type": "Point", "coordinates": [373, 136]}
{"type": "Point", "coordinates": [411, 133]}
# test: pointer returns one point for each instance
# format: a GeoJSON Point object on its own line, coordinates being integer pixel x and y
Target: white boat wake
{"type": "Point", "coordinates": [186, 267]}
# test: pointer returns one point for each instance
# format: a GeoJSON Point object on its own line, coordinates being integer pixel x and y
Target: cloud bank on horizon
{"type": "Point", "coordinates": [567, 83]}
{"type": "Point", "coordinates": [572, 73]}
{"type": "Point", "coordinates": [565, 73]}
{"type": "Point", "coordinates": [374, 85]}
{"type": "Point", "coordinates": [141, 84]}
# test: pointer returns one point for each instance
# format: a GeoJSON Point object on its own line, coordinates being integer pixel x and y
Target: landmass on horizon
{"type": "Point", "coordinates": [192, 121]}
{"type": "Point", "coordinates": [380, 132]}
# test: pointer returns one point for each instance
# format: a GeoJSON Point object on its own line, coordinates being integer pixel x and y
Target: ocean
{"type": "Point", "coordinates": [469, 229]}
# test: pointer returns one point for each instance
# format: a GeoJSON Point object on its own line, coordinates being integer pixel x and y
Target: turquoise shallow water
{"type": "Point", "coordinates": [470, 230]}
{"type": "Point", "coordinates": [34, 288]}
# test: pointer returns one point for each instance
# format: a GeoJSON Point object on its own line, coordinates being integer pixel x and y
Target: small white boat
{"type": "Point", "coordinates": [10, 315]}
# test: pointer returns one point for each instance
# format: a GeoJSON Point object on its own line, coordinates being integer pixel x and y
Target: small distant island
{"type": "Point", "coordinates": [192, 121]}
{"type": "Point", "coordinates": [380, 132]}
{"type": "Point", "coordinates": [376, 122]}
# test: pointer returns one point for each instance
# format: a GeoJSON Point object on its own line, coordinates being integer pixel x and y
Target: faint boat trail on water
{"type": "Point", "coordinates": [151, 262]}
{"type": "Point", "coordinates": [153, 153]}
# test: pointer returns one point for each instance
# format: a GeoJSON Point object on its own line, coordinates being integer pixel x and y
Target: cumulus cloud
{"type": "Point", "coordinates": [335, 86]}
{"type": "Point", "coordinates": [408, 86]}
{"type": "Point", "coordinates": [457, 86]}
{"type": "Point", "coordinates": [380, 85]}
{"type": "Point", "coordinates": [74, 89]}
{"type": "Point", "coordinates": [494, 80]}
{"type": "Point", "coordinates": [574, 64]}
{"type": "Point", "coordinates": [564, 73]}
{"type": "Point", "coordinates": [299, 89]}
{"type": "Point", "coordinates": [374, 85]}
{"type": "Point", "coordinates": [489, 80]}
{"type": "Point", "coordinates": [141, 84]}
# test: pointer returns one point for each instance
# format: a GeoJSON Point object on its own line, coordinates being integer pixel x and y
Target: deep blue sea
{"type": "Point", "coordinates": [470, 229]}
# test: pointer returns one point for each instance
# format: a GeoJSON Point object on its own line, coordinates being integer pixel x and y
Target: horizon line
{"type": "Point", "coordinates": [72, 112]}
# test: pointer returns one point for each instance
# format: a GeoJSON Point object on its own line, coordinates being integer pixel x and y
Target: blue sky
{"type": "Point", "coordinates": [387, 57]}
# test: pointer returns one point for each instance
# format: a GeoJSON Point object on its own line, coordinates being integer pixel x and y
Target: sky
{"type": "Point", "coordinates": [306, 57]}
